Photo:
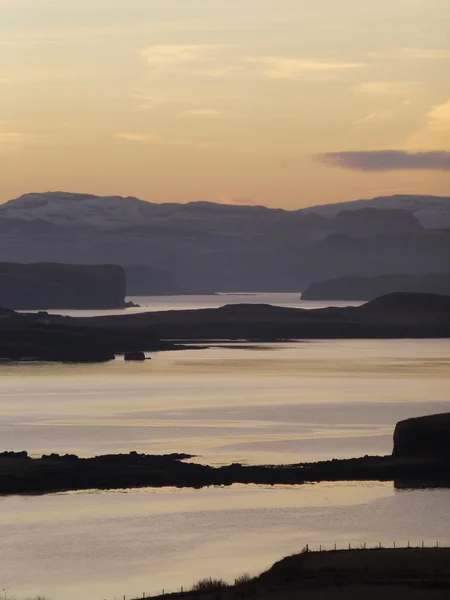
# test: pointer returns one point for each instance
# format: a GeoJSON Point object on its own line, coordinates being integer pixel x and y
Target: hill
{"type": "Point", "coordinates": [367, 288]}
{"type": "Point", "coordinates": [57, 286]}
{"type": "Point", "coordinates": [202, 247]}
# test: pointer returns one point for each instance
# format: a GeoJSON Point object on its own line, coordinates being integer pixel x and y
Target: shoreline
{"type": "Point", "coordinates": [369, 573]}
{"type": "Point", "coordinates": [21, 474]}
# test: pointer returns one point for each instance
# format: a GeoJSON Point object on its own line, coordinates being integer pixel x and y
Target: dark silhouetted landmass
{"type": "Point", "coordinates": [21, 474]}
{"type": "Point", "coordinates": [55, 285]}
{"type": "Point", "coordinates": [367, 288]}
{"type": "Point", "coordinates": [43, 337]}
{"type": "Point", "coordinates": [423, 437]}
{"type": "Point", "coordinates": [365, 573]}
{"type": "Point", "coordinates": [392, 316]}
{"type": "Point", "coordinates": [52, 337]}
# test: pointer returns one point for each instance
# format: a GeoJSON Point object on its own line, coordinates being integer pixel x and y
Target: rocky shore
{"type": "Point", "coordinates": [46, 337]}
{"type": "Point", "coordinates": [420, 458]}
{"type": "Point", "coordinates": [20, 474]}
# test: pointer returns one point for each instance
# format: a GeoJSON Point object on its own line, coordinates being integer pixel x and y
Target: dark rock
{"type": "Point", "coordinates": [423, 437]}
{"type": "Point", "coordinates": [135, 356]}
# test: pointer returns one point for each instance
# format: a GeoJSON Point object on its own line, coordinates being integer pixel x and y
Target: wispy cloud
{"type": "Point", "coordinates": [407, 53]}
{"type": "Point", "coordinates": [148, 138]}
{"type": "Point", "coordinates": [282, 67]}
{"type": "Point", "coordinates": [385, 88]}
{"type": "Point", "coordinates": [170, 57]}
{"type": "Point", "coordinates": [374, 118]}
{"type": "Point", "coordinates": [15, 137]}
{"type": "Point", "coordinates": [435, 130]}
{"type": "Point", "coordinates": [387, 160]}
{"type": "Point", "coordinates": [136, 137]}
{"type": "Point", "coordinates": [202, 113]}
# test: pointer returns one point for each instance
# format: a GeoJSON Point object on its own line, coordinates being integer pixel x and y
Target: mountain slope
{"type": "Point", "coordinates": [207, 247]}
{"type": "Point", "coordinates": [112, 212]}
{"type": "Point", "coordinates": [433, 212]}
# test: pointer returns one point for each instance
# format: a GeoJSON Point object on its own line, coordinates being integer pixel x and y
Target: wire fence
{"type": "Point", "coordinates": [410, 544]}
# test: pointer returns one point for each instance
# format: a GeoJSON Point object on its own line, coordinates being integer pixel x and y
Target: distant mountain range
{"type": "Point", "coordinates": [205, 247]}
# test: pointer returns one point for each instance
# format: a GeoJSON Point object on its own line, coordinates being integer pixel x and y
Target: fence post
{"type": "Point", "coordinates": [394, 544]}
{"type": "Point", "coordinates": [335, 546]}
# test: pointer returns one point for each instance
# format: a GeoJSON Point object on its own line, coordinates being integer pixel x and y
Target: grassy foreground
{"type": "Point", "coordinates": [413, 574]}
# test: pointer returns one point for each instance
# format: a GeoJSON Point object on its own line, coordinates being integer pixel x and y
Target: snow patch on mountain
{"type": "Point", "coordinates": [433, 212]}
{"type": "Point", "coordinates": [116, 212]}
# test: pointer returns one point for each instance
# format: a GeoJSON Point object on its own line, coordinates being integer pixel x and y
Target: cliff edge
{"type": "Point", "coordinates": [54, 286]}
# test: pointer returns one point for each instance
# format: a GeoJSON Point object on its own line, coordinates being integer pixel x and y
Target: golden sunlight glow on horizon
{"type": "Point", "coordinates": [287, 104]}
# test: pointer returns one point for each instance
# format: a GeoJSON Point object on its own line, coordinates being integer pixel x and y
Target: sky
{"type": "Point", "coordinates": [287, 103]}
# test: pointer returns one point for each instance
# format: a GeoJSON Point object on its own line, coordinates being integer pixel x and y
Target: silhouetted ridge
{"type": "Point", "coordinates": [409, 302]}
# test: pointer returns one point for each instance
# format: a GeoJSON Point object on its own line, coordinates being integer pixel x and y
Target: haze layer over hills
{"type": "Point", "coordinates": [207, 247]}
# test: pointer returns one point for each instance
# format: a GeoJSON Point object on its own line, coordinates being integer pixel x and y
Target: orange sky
{"type": "Point", "coordinates": [179, 100]}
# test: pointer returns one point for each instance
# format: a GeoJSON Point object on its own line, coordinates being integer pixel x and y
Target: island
{"type": "Point", "coordinates": [46, 337]}
{"type": "Point", "coordinates": [410, 465]}
{"type": "Point", "coordinates": [61, 286]}
{"type": "Point", "coordinates": [368, 288]}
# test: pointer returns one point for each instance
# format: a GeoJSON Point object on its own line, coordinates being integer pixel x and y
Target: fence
{"type": "Point", "coordinates": [315, 548]}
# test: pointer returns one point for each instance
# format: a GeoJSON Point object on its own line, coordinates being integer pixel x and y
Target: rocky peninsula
{"type": "Point", "coordinates": [410, 465]}
{"type": "Point", "coordinates": [46, 337]}
{"type": "Point", "coordinates": [397, 315]}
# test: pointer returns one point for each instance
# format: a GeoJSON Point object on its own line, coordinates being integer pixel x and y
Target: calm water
{"type": "Point", "coordinates": [156, 303]}
{"type": "Point", "coordinates": [255, 404]}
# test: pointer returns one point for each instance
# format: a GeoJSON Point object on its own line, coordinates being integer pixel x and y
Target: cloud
{"type": "Point", "coordinates": [384, 88]}
{"type": "Point", "coordinates": [170, 57]}
{"type": "Point", "coordinates": [376, 117]}
{"type": "Point", "coordinates": [203, 113]}
{"type": "Point", "coordinates": [162, 141]}
{"type": "Point", "coordinates": [136, 137]}
{"type": "Point", "coordinates": [14, 137]}
{"type": "Point", "coordinates": [435, 131]}
{"type": "Point", "coordinates": [387, 160]}
{"type": "Point", "coordinates": [279, 67]}
{"type": "Point", "coordinates": [416, 53]}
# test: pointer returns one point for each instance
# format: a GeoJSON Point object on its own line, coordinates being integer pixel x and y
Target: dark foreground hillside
{"type": "Point", "coordinates": [391, 574]}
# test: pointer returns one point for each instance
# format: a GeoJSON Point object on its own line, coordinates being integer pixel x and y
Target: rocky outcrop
{"type": "Point", "coordinates": [423, 437]}
{"type": "Point", "coordinates": [61, 286]}
{"type": "Point", "coordinates": [367, 288]}
{"type": "Point", "coordinates": [134, 356]}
